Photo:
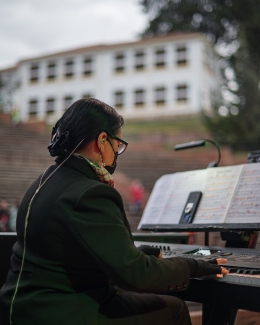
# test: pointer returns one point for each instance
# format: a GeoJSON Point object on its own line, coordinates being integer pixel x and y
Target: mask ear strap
{"type": "Point", "coordinates": [115, 159]}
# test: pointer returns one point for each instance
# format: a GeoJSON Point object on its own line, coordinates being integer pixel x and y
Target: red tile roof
{"type": "Point", "coordinates": [179, 36]}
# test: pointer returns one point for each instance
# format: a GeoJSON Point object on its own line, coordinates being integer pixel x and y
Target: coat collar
{"type": "Point", "coordinates": [79, 164]}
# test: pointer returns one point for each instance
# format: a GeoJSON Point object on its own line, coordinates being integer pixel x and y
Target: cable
{"type": "Point", "coordinates": [26, 224]}
{"type": "Point", "coordinates": [218, 148]}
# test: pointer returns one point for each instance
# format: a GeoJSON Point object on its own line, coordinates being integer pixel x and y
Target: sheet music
{"type": "Point", "coordinates": [229, 195]}
{"type": "Point", "coordinates": [219, 189]}
{"type": "Point", "coordinates": [245, 206]}
{"type": "Point", "coordinates": [184, 183]}
{"type": "Point", "coordinates": [157, 200]}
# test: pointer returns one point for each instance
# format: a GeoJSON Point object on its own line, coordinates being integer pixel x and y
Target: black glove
{"type": "Point", "coordinates": [149, 250]}
{"type": "Point", "coordinates": [213, 261]}
{"type": "Point", "coordinates": [199, 268]}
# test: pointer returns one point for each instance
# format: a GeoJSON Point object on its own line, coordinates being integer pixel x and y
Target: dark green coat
{"type": "Point", "coordinates": [77, 240]}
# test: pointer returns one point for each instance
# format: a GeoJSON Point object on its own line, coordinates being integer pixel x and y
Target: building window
{"type": "Point", "coordinates": [160, 58]}
{"type": "Point", "coordinates": [160, 93]}
{"type": "Point", "coordinates": [50, 103]}
{"type": "Point", "coordinates": [139, 97]}
{"type": "Point", "coordinates": [69, 68]}
{"type": "Point", "coordinates": [119, 62]}
{"type": "Point", "coordinates": [88, 66]}
{"type": "Point", "coordinates": [34, 72]}
{"type": "Point", "coordinates": [51, 70]}
{"type": "Point", "coordinates": [88, 95]}
{"type": "Point", "coordinates": [67, 102]}
{"type": "Point", "coordinates": [33, 107]}
{"type": "Point", "coordinates": [119, 99]}
{"type": "Point", "coordinates": [182, 93]}
{"type": "Point", "coordinates": [181, 53]}
{"type": "Point", "coordinates": [139, 60]}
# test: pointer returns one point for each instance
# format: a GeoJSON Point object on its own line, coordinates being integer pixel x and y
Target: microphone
{"type": "Point", "coordinates": [200, 143]}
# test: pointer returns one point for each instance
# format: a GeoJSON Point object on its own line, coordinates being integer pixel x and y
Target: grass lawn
{"type": "Point", "coordinates": [164, 125]}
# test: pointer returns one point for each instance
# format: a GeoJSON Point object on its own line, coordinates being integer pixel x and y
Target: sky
{"type": "Point", "coordinates": [30, 28]}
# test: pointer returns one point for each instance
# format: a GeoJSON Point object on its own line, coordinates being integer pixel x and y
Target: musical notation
{"type": "Point", "coordinates": [218, 192]}
{"type": "Point", "coordinates": [157, 199]}
{"type": "Point", "coordinates": [230, 195]}
{"type": "Point", "coordinates": [245, 206]}
{"type": "Point", "coordinates": [178, 195]}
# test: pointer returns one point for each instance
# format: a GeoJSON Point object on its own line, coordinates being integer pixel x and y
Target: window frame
{"type": "Point", "coordinates": [119, 61]}
{"type": "Point", "coordinates": [139, 56]}
{"type": "Point", "coordinates": [51, 75]}
{"type": "Point", "coordinates": [49, 111]}
{"type": "Point", "coordinates": [181, 55]}
{"type": "Point", "coordinates": [180, 90]}
{"type": "Point", "coordinates": [66, 99]}
{"type": "Point", "coordinates": [139, 92]}
{"type": "Point", "coordinates": [33, 112]}
{"type": "Point", "coordinates": [158, 91]}
{"type": "Point", "coordinates": [88, 66]}
{"type": "Point", "coordinates": [88, 95]}
{"type": "Point", "coordinates": [69, 68]}
{"type": "Point", "coordinates": [160, 58]}
{"type": "Point", "coordinates": [34, 72]}
{"type": "Point", "coordinates": [119, 99]}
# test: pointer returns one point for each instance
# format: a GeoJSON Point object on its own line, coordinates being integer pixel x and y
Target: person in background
{"type": "Point", "coordinates": [75, 261]}
{"type": "Point", "coordinates": [136, 190]}
{"type": "Point", "coordinates": [4, 216]}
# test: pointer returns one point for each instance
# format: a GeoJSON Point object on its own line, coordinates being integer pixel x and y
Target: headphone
{"type": "Point", "coordinates": [26, 224]}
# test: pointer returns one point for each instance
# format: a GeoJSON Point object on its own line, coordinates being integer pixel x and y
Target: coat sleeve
{"type": "Point", "coordinates": [97, 223]}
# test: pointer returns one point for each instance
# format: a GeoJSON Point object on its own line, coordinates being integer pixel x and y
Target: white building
{"type": "Point", "coordinates": [159, 76]}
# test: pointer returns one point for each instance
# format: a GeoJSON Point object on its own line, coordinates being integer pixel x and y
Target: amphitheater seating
{"type": "Point", "coordinates": [24, 155]}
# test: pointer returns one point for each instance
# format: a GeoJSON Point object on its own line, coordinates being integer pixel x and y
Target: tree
{"type": "Point", "coordinates": [234, 28]}
{"type": "Point", "coordinates": [8, 87]}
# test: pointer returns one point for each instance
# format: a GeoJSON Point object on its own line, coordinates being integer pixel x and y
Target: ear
{"type": "Point", "coordinates": [102, 138]}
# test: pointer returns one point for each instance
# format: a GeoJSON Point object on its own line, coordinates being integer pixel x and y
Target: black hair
{"type": "Point", "coordinates": [84, 119]}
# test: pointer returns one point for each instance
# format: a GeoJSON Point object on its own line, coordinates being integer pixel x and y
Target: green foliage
{"type": "Point", "coordinates": [219, 19]}
{"type": "Point", "coordinates": [234, 27]}
{"type": "Point", "coordinates": [164, 126]}
{"type": "Point", "coordinates": [8, 86]}
{"type": "Point", "coordinates": [241, 131]}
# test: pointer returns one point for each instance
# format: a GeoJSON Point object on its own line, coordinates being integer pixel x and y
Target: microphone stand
{"type": "Point", "coordinates": [200, 143]}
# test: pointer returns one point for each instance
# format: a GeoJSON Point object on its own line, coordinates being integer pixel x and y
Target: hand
{"type": "Point", "coordinates": [221, 260]}
{"type": "Point", "coordinates": [223, 269]}
{"type": "Point", "coordinates": [160, 255]}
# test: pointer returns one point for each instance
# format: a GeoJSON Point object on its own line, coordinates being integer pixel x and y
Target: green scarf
{"type": "Point", "coordinates": [102, 173]}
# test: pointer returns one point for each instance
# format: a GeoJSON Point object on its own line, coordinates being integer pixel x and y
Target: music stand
{"type": "Point", "coordinates": [229, 202]}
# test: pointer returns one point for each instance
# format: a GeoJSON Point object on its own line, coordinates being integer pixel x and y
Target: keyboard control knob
{"type": "Point", "coordinates": [225, 253]}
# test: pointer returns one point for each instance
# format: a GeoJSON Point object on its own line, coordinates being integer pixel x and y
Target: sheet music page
{"type": "Point", "coordinates": [229, 195]}
{"type": "Point", "coordinates": [245, 206]}
{"type": "Point", "coordinates": [157, 200]}
{"type": "Point", "coordinates": [219, 189]}
{"type": "Point", "coordinates": [184, 183]}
